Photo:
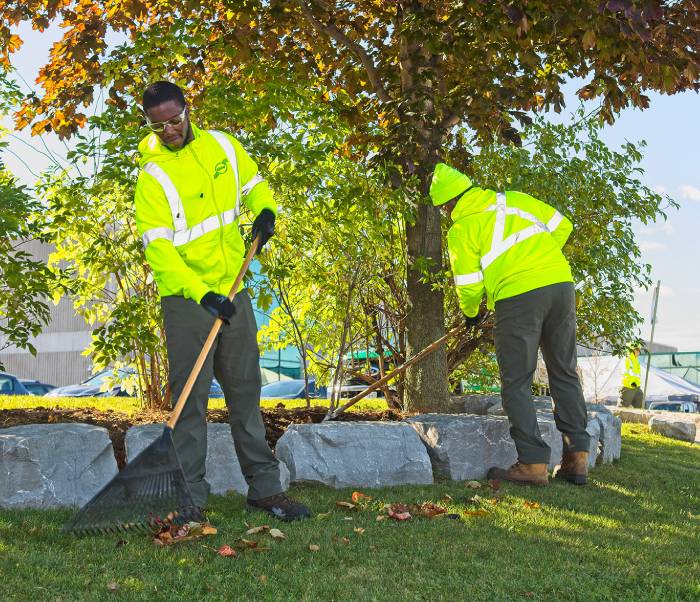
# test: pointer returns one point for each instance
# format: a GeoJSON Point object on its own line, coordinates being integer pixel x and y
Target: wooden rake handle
{"type": "Point", "coordinates": [402, 368]}
{"type": "Point", "coordinates": [177, 410]}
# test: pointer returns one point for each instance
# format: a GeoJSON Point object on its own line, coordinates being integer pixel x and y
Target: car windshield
{"type": "Point", "coordinates": [6, 384]}
{"type": "Point", "coordinates": [283, 387]}
{"type": "Point", "coordinates": [35, 388]}
{"type": "Point", "coordinates": [102, 377]}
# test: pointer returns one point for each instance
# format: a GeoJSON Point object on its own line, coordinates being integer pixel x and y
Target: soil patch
{"type": "Point", "coordinates": [117, 423]}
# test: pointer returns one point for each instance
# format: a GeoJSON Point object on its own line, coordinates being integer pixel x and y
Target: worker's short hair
{"type": "Point", "coordinates": [159, 92]}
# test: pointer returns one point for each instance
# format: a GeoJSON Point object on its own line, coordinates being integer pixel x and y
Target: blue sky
{"type": "Point", "coordinates": [671, 128]}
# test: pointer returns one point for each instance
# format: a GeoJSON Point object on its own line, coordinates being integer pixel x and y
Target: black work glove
{"type": "Point", "coordinates": [218, 306]}
{"type": "Point", "coordinates": [475, 321]}
{"type": "Point", "coordinates": [264, 226]}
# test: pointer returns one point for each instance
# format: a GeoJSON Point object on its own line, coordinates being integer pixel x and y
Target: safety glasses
{"type": "Point", "coordinates": [159, 126]}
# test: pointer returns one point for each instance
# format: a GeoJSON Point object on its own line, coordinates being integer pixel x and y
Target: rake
{"type": "Point", "coordinates": [152, 487]}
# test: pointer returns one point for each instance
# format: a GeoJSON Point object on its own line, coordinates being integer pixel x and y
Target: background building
{"type": "Point", "coordinates": [60, 360]}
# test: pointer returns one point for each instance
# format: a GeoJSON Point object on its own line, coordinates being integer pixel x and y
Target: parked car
{"type": "Point", "coordinates": [36, 387]}
{"type": "Point", "coordinates": [687, 407]}
{"type": "Point", "coordinates": [11, 385]}
{"type": "Point", "coordinates": [352, 385]}
{"type": "Point", "coordinates": [92, 387]}
{"type": "Point", "coordinates": [292, 389]}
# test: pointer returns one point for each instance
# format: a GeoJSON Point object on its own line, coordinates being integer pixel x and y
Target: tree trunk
{"type": "Point", "coordinates": [419, 147]}
{"type": "Point", "coordinates": [427, 387]}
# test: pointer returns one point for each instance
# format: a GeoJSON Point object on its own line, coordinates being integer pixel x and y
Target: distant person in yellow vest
{"type": "Point", "coordinates": [507, 245]}
{"type": "Point", "coordinates": [631, 394]}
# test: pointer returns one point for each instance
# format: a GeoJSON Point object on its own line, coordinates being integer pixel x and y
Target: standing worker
{"type": "Point", "coordinates": [631, 394]}
{"type": "Point", "coordinates": [187, 200]}
{"type": "Point", "coordinates": [508, 245]}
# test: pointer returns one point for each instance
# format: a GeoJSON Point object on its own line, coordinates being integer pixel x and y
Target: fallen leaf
{"type": "Point", "coordinates": [400, 508]}
{"type": "Point", "coordinates": [430, 510]}
{"type": "Point", "coordinates": [277, 534]}
{"type": "Point", "coordinates": [322, 515]}
{"type": "Point", "coordinates": [473, 484]}
{"type": "Point", "coordinates": [249, 543]}
{"type": "Point", "coordinates": [347, 518]}
{"type": "Point", "coordinates": [347, 505]}
{"type": "Point", "coordinates": [227, 551]}
{"type": "Point", "coordinates": [345, 540]}
{"type": "Point", "coordinates": [209, 530]}
{"type": "Point", "coordinates": [112, 586]}
{"type": "Point", "coordinates": [260, 529]}
{"type": "Point", "coordinates": [358, 496]}
{"type": "Point", "coordinates": [359, 530]}
{"type": "Point", "coordinates": [495, 484]}
{"type": "Point", "coordinates": [475, 513]}
{"type": "Point", "coordinates": [314, 547]}
{"type": "Point", "coordinates": [474, 500]}
{"type": "Point", "coordinates": [381, 517]}
{"type": "Point", "coordinates": [447, 497]}
{"type": "Point", "coordinates": [399, 515]}
{"type": "Point", "coordinates": [262, 578]}
{"type": "Point", "coordinates": [531, 505]}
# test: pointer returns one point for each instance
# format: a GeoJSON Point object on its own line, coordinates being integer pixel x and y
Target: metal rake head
{"type": "Point", "coordinates": [147, 491]}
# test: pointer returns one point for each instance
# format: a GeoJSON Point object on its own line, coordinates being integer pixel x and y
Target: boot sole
{"type": "Point", "coordinates": [285, 519]}
{"type": "Point", "coordinates": [507, 480]}
{"type": "Point", "coordinates": [576, 479]}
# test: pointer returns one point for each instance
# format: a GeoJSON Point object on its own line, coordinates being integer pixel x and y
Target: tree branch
{"type": "Point", "coordinates": [333, 32]}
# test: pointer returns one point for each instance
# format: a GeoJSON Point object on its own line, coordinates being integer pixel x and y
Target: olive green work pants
{"type": "Point", "coordinates": [234, 360]}
{"type": "Point", "coordinates": [544, 317]}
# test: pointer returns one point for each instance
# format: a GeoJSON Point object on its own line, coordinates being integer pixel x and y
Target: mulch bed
{"type": "Point", "coordinates": [276, 420]}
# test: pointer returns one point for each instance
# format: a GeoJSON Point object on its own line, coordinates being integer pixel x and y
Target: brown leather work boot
{"type": "Point", "coordinates": [573, 468]}
{"type": "Point", "coordinates": [520, 472]}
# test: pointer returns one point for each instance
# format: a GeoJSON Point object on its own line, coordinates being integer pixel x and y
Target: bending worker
{"type": "Point", "coordinates": [631, 394]}
{"type": "Point", "coordinates": [508, 245]}
{"type": "Point", "coordinates": [188, 199]}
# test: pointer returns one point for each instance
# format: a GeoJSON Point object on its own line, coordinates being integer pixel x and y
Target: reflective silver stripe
{"type": "Point", "coordinates": [255, 180]}
{"type": "Point", "coordinates": [499, 245]}
{"type": "Point", "coordinates": [154, 233]}
{"type": "Point", "coordinates": [554, 221]}
{"type": "Point", "coordinates": [226, 145]}
{"type": "Point", "coordinates": [208, 225]}
{"type": "Point", "coordinates": [181, 235]}
{"type": "Point", "coordinates": [171, 193]}
{"type": "Point", "coordinates": [467, 279]}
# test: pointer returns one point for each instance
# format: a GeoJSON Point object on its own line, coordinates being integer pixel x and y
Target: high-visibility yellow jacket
{"type": "Point", "coordinates": [505, 244]}
{"type": "Point", "coordinates": [633, 371]}
{"type": "Point", "coordinates": [187, 207]}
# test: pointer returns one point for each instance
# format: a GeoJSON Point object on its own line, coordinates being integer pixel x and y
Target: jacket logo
{"type": "Point", "coordinates": [220, 168]}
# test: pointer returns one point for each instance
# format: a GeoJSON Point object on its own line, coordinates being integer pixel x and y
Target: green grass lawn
{"type": "Point", "coordinates": [131, 405]}
{"type": "Point", "coordinates": [631, 534]}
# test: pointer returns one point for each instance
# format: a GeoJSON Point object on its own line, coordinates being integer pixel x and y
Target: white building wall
{"type": "Point", "coordinates": [59, 360]}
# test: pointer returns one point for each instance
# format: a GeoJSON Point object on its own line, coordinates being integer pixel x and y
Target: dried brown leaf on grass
{"type": "Point", "coordinates": [359, 530]}
{"type": "Point", "coordinates": [314, 547]}
{"type": "Point", "coordinates": [346, 505]}
{"type": "Point", "coordinates": [260, 529]}
{"type": "Point", "coordinates": [358, 497]}
{"type": "Point", "coordinates": [226, 551]}
{"type": "Point", "coordinates": [170, 533]}
{"type": "Point", "coordinates": [277, 534]}
{"type": "Point", "coordinates": [531, 505]}
{"type": "Point", "coordinates": [473, 485]}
